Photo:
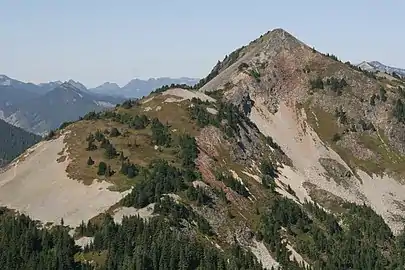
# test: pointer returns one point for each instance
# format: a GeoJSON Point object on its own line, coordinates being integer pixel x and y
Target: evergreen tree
{"type": "Point", "coordinates": [102, 168]}
{"type": "Point", "coordinates": [160, 133]}
{"type": "Point", "coordinates": [399, 111]}
{"type": "Point", "coordinates": [90, 161]}
{"type": "Point", "coordinates": [110, 151]}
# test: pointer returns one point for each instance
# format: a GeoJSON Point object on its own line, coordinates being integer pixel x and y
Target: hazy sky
{"type": "Point", "coordinates": [97, 41]}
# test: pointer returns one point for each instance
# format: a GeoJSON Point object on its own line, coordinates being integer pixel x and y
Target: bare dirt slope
{"type": "Point", "coordinates": [339, 141]}
{"type": "Point", "coordinates": [37, 185]}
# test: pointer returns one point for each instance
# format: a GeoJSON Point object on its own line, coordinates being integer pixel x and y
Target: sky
{"type": "Point", "coordinates": [97, 41]}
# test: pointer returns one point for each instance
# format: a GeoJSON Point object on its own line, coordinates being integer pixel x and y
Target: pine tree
{"type": "Point", "coordinates": [102, 168]}
{"type": "Point", "coordinates": [109, 172]}
{"type": "Point", "coordinates": [90, 161]}
{"type": "Point", "coordinates": [124, 168]}
{"type": "Point", "coordinates": [110, 151]}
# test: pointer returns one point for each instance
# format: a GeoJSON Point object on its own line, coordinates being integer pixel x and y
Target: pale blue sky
{"type": "Point", "coordinates": [96, 41]}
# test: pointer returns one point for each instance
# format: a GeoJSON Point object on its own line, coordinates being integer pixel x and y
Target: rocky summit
{"type": "Point", "coordinates": [283, 157]}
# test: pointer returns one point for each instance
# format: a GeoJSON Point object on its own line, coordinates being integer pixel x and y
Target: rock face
{"type": "Point", "coordinates": [331, 119]}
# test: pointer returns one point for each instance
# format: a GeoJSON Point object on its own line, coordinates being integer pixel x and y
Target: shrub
{"type": "Point", "coordinates": [243, 66]}
{"type": "Point", "coordinates": [316, 83]}
{"type": "Point", "coordinates": [90, 161]}
{"type": "Point", "coordinates": [383, 94]}
{"type": "Point", "coordinates": [65, 124]}
{"type": "Point", "coordinates": [255, 74]}
{"type": "Point", "coordinates": [102, 168]}
{"type": "Point", "coordinates": [399, 111]}
{"type": "Point", "coordinates": [372, 100]}
{"type": "Point", "coordinates": [50, 135]}
{"type": "Point", "coordinates": [160, 133]}
{"type": "Point", "coordinates": [99, 136]}
{"type": "Point", "coordinates": [127, 104]}
{"type": "Point", "coordinates": [110, 151]}
{"type": "Point", "coordinates": [91, 146]}
{"type": "Point", "coordinates": [114, 132]}
{"type": "Point", "coordinates": [336, 137]}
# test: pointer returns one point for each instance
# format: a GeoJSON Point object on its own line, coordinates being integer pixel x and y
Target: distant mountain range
{"type": "Point", "coordinates": [138, 88]}
{"type": "Point", "coordinates": [39, 108]}
{"type": "Point", "coordinates": [374, 66]}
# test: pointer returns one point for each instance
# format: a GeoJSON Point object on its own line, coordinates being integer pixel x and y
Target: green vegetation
{"type": "Point", "coordinates": [269, 173]}
{"type": "Point", "coordinates": [336, 137]}
{"type": "Point", "coordinates": [396, 76]}
{"type": "Point", "coordinates": [383, 94]}
{"type": "Point", "coordinates": [127, 104]}
{"type": "Point", "coordinates": [255, 74]}
{"type": "Point", "coordinates": [201, 115]}
{"type": "Point", "coordinates": [372, 99]}
{"type": "Point", "coordinates": [129, 169]}
{"type": "Point", "coordinates": [114, 132]}
{"type": "Point", "coordinates": [399, 111]}
{"type": "Point", "coordinates": [189, 151]}
{"type": "Point", "coordinates": [102, 168]}
{"type": "Point", "coordinates": [110, 151]}
{"type": "Point", "coordinates": [26, 246]}
{"type": "Point", "coordinates": [243, 66]}
{"type": "Point", "coordinates": [136, 244]}
{"type": "Point", "coordinates": [198, 195]}
{"type": "Point", "coordinates": [316, 83]}
{"type": "Point", "coordinates": [136, 122]}
{"type": "Point", "coordinates": [233, 183]}
{"type": "Point", "coordinates": [386, 160]}
{"type": "Point", "coordinates": [229, 119]}
{"type": "Point", "coordinates": [340, 114]}
{"type": "Point", "coordinates": [91, 146]}
{"type": "Point", "coordinates": [65, 124]}
{"type": "Point", "coordinates": [160, 133]}
{"type": "Point", "coordinates": [219, 94]}
{"type": "Point", "coordinates": [332, 56]}
{"type": "Point", "coordinates": [51, 135]}
{"type": "Point", "coordinates": [167, 87]}
{"type": "Point", "coordinates": [178, 211]}
{"type": "Point", "coordinates": [363, 241]}
{"type": "Point", "coordinates": [159, 179]}
{"type": "Point", "coordinates": [14, 141]}
{"type": "Point", "coordinates": [90, 161]}
{"type": "Point", "coordinates": [336, 85]}
{"type": "Point", "coordinates": [401, 91]}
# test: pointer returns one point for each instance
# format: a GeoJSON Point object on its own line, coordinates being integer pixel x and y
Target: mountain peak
{"type": "Point", "coordinates": [110, 84]}
{"type": "Point", "coordinates": [378, 66]}
{"type": "Point", "coordinates": [366, 66]}
{"type": "Point", "coordinates": [279, 31]}
{"type": "Point", "coordinates": [4, 80]}
{"type": "Point", "coordinates": [281, 35]}
{"type": "Point", "coordinates": [375, 63]}
{"type": "Point", "coordinates": [3, 77]}
{"type": "Point", "coordinates": [77, 85]}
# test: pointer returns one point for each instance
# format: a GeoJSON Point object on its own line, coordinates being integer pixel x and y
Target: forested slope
{"type": "Point", "coordinates": [14, 141]}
